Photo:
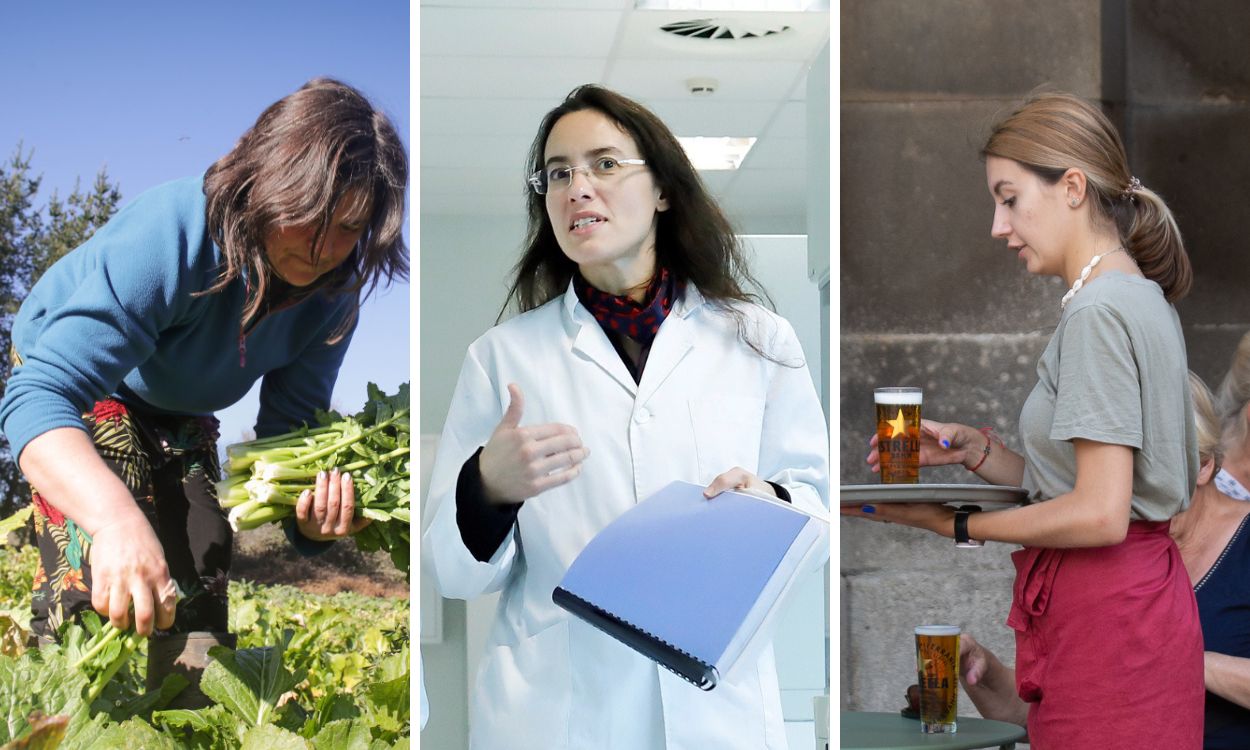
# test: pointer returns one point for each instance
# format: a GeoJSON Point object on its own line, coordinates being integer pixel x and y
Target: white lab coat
{"type": "Point", "coordinates": [706, 403]}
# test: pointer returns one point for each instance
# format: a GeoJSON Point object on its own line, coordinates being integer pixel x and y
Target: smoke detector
{"type": "Point", "coordinates": [702, 86]}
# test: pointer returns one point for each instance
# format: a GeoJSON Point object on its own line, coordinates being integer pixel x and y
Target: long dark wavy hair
{"type": "Point", "coordinates": [303, 155]}
{"type": "Point", "coordinates": [693, 239]}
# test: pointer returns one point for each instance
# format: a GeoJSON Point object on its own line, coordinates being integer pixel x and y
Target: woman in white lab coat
{"type": "Point", "coordinates": [637, 359]}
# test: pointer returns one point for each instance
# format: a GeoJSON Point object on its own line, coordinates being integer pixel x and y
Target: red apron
{"type": "Point", "coordinates": [1108, 645]}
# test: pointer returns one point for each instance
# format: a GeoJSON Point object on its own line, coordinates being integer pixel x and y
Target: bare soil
{"type": "Point", "coordinates": [264, 556]}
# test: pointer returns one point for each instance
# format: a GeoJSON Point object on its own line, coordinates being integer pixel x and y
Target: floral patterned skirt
{"type": "Point", "coordinates": [170, 465]}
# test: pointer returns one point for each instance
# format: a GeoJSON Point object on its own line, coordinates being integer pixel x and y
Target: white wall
{"type": "Point", "coordinates": [465, 264]}
{"type": "Point", "coordinates": [781, 265]}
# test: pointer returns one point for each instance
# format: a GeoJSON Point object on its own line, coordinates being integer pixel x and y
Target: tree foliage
{"type": "Point", "coordinates": [32, 238]}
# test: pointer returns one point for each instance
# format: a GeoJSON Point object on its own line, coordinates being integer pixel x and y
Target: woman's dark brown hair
{"type": "Point", "coordinates": [1052, 132]}
{"type": "Point", "coordinates": [693, 239]}
{"type": "Point", "coordinates": [304, 154]}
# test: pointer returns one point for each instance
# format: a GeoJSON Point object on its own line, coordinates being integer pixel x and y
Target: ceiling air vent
{"type": "Point", "coordinates": [717, 28]}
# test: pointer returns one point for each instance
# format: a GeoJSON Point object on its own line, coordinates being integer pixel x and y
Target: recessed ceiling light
{"type": "Point", "coordinates": [734, 5]}
{"type": "Point", "coordinates": [708, 153]}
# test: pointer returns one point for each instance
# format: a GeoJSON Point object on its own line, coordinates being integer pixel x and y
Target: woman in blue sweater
{"type": "Point", "coordinates": [174, 309]}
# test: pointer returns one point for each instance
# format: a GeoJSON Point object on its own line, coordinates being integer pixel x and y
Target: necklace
{"type": "Point", "coordinates": [1085, 272]}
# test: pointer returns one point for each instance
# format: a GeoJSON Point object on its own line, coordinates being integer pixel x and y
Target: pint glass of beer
{"type": "Point", "coordinates": [898, 434]}
{"type": "Point", "coordinates": [937, 665]}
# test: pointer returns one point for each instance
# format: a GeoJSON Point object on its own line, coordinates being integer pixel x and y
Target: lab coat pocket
{"type": "Point", "coordinates": [726, 433]}
{"type": "Point", "coordinates": [523, 693]}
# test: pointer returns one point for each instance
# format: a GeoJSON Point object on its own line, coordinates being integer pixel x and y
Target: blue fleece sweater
{"type": "Point", "coordinates": [116, 316]}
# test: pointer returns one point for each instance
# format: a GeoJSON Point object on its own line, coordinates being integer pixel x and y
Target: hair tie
{"type": "Point", "coordinates": [1134, 185]}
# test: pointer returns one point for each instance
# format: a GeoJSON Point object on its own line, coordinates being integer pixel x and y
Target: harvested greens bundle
{"type": "Point", "coordinates": [265, 477]}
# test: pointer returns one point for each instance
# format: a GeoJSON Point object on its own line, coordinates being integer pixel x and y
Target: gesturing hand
{"type": "Point", "coordinates": [521, 462]}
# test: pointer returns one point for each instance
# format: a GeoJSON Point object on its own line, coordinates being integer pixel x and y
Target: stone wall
{"type": "Point", "coordinates": [1188, 113]}
{"type": "Point", "coordinates": [928, 298]}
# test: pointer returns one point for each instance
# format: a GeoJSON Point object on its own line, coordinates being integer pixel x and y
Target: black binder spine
{"type": "Point", "coordinates": [695, 671]}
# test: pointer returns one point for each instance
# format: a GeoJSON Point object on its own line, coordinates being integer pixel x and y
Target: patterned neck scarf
{"type": "Point", "coordinates": [1228, 484]}
{"type": "Point", "coordinates": [639, 321]}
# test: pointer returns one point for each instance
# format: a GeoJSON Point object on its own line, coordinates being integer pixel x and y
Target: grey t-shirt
{"type": "Point", "coordinates": [1115, 372]}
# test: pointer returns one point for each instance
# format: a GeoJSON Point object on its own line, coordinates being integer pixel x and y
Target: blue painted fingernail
{"type": "Point", "coordinates": [321, 475]}
{"type": "Point", "coordinates": [946, 443]}
{"type": "Point", "coordinates": [868, 508]}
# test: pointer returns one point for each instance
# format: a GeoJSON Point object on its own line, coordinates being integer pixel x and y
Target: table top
{"type": "Point", "coordinates": [867, 730]}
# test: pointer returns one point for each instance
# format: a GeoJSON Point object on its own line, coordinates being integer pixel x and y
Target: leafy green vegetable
{"type": "Point", "coordinates": [39, 681]}
{"type": "Point", "coordinates": [270, 737]}
{"type": "Point", "coordinates": [100, 658]}
{"type": "Point", "coordinates": [249, 682]}
{"type": "Point", "coordinates": [46, 733]}
{"type": "Point", "coordinates": [343, 734]}
{"type": "Point", "coordinates": [14, 522]}
{"type": "Point", "coordinates": [134, 734]}
{"type": "Point", "coordinates": [266, 476]}
{"type": "Point", "coordinates": [12, 636]}
{"type": "Point", "coordinates": [307, 675]}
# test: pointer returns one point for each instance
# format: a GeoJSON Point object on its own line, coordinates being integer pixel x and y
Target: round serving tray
{"type": "Point", "coordinates": [985, 495]}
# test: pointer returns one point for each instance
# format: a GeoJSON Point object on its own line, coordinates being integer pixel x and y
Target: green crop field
{"type": "Point", "coordinates": [310, 671]}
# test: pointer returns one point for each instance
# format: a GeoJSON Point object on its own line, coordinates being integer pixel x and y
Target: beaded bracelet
{"type": "Point", "coordinates": [985, 452]}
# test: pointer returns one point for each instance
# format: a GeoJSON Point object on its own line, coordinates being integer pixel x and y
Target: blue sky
{"type": "Point", "coordinates": [158, 91]}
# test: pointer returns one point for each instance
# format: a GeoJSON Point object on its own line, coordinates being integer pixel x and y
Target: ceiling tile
{"type": "Point", "coordinates": [428, 5]}
{"type": "Point", "coordinates": [666, 79]}
{"type": "Point", "coordinates": [436, 204]}
{"type": "Point", "coordinates": [717, 180]}
{"type": "Point", "coordinates": [495, 116]}
{"type": "Point", "coordinates": [790, 121]}
{"type": "Point", "coordinates": [774, 204]}
{"type": "Point", "coordinates": [469, 183]}
{"type": "Point", "coordinates": [487, 79]}
{"type": "Point", "coordinates": [503, 77]}
{"type": "Point", "coordinates": [777, 153]}
{"type": "Point", "coordinates": [481, 151]}
{"type": "Point", "coordinates": [711, 115]}
{"type": "Point", "coordinates": [789, 186]}
{"type": "Point", "coordinates": [517, 32]}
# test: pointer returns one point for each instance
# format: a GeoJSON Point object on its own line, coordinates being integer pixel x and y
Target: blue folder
{"type": "Point", "coordinates": [690, 582]}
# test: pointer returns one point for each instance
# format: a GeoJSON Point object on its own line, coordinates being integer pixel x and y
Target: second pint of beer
{"type": "Point", "coordinates": [898, 434]}
{"type": "Point", "coordinates": [937, 666]}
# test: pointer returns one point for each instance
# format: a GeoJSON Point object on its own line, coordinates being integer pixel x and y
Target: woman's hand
{"type": "Point", "coordinates": [738, 478]}
{"type": "Point", "coordinates": [974, 660]}
{"type": "Point", "coordinates": [989, 683]}
{"type": "Point", "coordinates": [128, 565]}
{"type": "Point", "coordinates": [935, 517]}
{"type": "Point", "coordinates": [521, 462]}
{"type": "Point", "coordinates": [328, 512]}
{"type": "Point", "coordinates": [941, 444]}
{"type": "Point", "coordinates": [127, 560]}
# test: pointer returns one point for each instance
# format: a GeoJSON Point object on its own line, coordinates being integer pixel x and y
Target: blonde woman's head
{"type": "Point", "coordinates": [1053, 132]}
{"type": "Point", "coordinates": [1233, 397]}
{"type": "Point", "coordinates": [1208, 422]}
